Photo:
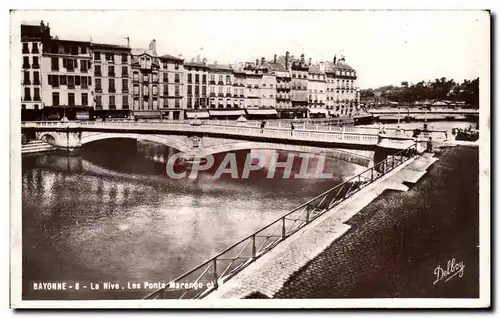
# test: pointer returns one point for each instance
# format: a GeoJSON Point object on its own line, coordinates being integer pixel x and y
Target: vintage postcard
{"type": "Point", "coordinates": [250, 159]}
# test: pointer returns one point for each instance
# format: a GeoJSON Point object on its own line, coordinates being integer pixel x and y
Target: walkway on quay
{"type": "Point", "coordinates": [271, 274]}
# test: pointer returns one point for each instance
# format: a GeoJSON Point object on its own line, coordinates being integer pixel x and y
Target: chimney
{"type": "Point", "coordinates": [152, 46]}
{"type": "Point", "coordinates": [302, 58]}
{"type": "Point", "coordinates": [256, 62]}
{"type": "Point", "coordinates": [310, 61]}
{"type": "Point", "coordinates": [287, 58]}
{"type": "Point", "coordinates": [275, 58]}
{"type": "Point", "coordinates": [262, 60]}
{"type": "Point", "coordinates": [335, 59]}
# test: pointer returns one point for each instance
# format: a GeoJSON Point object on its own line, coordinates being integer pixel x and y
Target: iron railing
{"type": "Point", "coordinates": [209, 275]}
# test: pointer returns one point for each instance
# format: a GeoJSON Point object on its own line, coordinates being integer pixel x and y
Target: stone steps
{"type": "Point", "coordinates": [36, 146]}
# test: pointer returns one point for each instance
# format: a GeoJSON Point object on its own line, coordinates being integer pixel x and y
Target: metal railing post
{"type": "Point", "coordinates": [283, 229]}
{"type": "Point", "coordinates": [254, 247]}
{"type": "Point", "coordinates": [216, 284]}
{"type": "Point", "coordinates": [307, 215]}
{"type": "Point", "coordinates": [393, 162]}
{"type": "Point", "coordinates": [372, 168]}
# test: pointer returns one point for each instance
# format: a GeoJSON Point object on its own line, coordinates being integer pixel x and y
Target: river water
{"type": "Point", "coordinates": [108, 213]}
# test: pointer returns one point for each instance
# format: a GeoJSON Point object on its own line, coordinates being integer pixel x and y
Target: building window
{"type": "Point", "coordinates": [220, 80]}
{"type": "Point", "coordinates": [204, 90]}
{"type": "Point", "coordinates": [204, 79]}
{"type": "Point", "coordinates": [190, 79]}
{"type": "Point", "coordinates": [124, 58]}
{"type": "Point", "coordinates": [97, 56]}
{"type": "Point", "coordinates": [55, 98]}
{"type": "Point", "coordinates": [27, 94]}
{"type": "Point", "coordinates": [71, 99]}
{"type": "Point", "coordinates": [177, 103]}
{"type": "Point", "coordinates": [145, 78]}
{"type": "Point", "coordinates": [228, 80]}
{"type": "Point", "coordinates": [155, 89]}
{"type": "Point", "coordinates": [110, 57]}
{"type": "Point", "coordinates": [124, 71]}
{"type": "Point", "coordinates": [177, 78]}
{"type": "Point", "coordinates": [197, 78]}
{"type": "Point", "coordinates": [197, 90]}
{"type": "Point", "coordinates": [34, 47]}
{"type": "Point", "coordinates": [165, 90]}
{"type": "Point", "coordinates": [155, 103]}
{"type": "Point", "coordinates": [136, 89]}
{"type": "Point", "coordinates": [124, 85]}
{"type": "Point", "coordinates": [98, 101]}
{"type": "Point", "coordinates": [125, 101]}
{"type": "Point", "coordinates": [36, 78]}
{"type": "Point", "coordinates": [71, 81]}
{"type": "Point", "coordinates": [26, 78]}
{"type": "Point", "coordinates": [112, 104]}
{"type": "Point", "coordinates": [155, 77]}
{"type": "Point", "coordinates": [145, 104]}
{"type": "Point", "coordinates": [26, 62]}
{"type": "Point", "coordinates": [35, 62]}
{"type": "Point", "coordinates": [54, 63]}
{"type": "Point", "coordinates": [177, 93]}
{"type": "Point", "coordinates": [97, 70]}
{"type": "Point", "coordinates": [98, 87]}
{"type": "Point", "coordinates": [77, 80]}
{"type": "Point", "coordinates": [83, 83]}
{"type": "Point", "coordinates": [111, 71]}
{"type": "Point", "coordinates": [136, 76]}
{"type": "Point", "coordinates": [37, 94]}
{"type": "Point", "coordinates": [111, 85]}
{"type": "Point", "coordinates": [136, 103]}
{"type": "Point", "coordinates": [26, 48]}
{"type": "Point", "coordinates": [189, 102]}
{"type": "Point", "coordinates": [85, 99]}
{"type": "Point", "coordinates": [145, 90]}
{"type": "Point", "coordinates": [176, 66]}
{"type": "Point", "coordinates": [190, 90]}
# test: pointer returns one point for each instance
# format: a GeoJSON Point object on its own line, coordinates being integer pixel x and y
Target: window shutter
{"type": "Point", "coordinates": [50, 79]}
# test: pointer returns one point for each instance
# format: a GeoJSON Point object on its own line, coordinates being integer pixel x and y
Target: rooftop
{"type": "Point", "coordinates": [171, 57]}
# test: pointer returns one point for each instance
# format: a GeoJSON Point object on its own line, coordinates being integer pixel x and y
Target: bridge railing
{"type": "Point", "coordinates": [209, 275]}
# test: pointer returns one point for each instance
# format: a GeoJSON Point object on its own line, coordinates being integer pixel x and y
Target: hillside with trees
{"type": "Point", "coordinates": [423, 92]}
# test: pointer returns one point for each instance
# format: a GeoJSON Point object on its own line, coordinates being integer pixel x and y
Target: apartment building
{"type": "Point", "coordinates": [172, 79]}
{"type": "Point", "coordinates": [32, 37]}
{"type": "Point", "coordinates": [341, 87]}
{"type": "Point", "coordinates": [66, 77]}
{"type": "Point", "coordinates": [112, 80]}
{"type": "Point", "coordinates": [316, 87]}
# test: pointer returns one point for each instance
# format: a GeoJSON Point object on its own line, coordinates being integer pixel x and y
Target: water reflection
{"type": "Point", "coordinates": [111, 214]}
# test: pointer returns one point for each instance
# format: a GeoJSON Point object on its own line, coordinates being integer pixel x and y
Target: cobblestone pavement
{"type": "Point", "coordinates": [397, 241]}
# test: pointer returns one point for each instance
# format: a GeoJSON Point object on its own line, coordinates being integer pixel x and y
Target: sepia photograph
{"type": "Point", "coordinates": [250, 158]}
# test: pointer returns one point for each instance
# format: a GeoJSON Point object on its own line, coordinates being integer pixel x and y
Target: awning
{"type": "Point", "coordinates": [82, 115]}
{"type": "Point", "coordinates": [318, 111]}
{"type": "Point", "coordinates": [262, 111]}
{"type": "Point", "coordinates": [147, 114]}
{"type": "Point", "coordinates": [200, 115]}
{"type": "Point", "coordinates": [235, 112]}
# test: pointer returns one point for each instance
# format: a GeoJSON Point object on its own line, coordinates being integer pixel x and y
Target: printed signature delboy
{"type": "Point", "coordinates": [453, 269]}
{"type": "Point", "coordinates": [42, 286]}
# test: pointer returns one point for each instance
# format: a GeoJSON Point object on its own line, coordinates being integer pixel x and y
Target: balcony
{"type": "Point", "coordinates": [26, 66]}
{"type": "Point", "coordinates": [229, 83]}
{"type": "Point", "coordinates": [36, 66]}
{"type": "Point", "coordinates": [98, 89]}
{"type": "Point", "coordinates": [220, 95]}
{"type": "Point", "coordinates": [26, 82]}
{"type": "Point", "coordinates": [36, 82]}
{"type": "Point", "coordinates": [256, 86]}
{"type": "Point", "coordinates": [242, 95]}
{"type": "Point", "coordinates": [124, 90]}
{"type": "Point", "coordinates": [27, 98]}
{"type": "Point", "coordinates": [212, 94]}
{"type": "Point", "coordinates": [177, 81]}
{"type": "Point", "coordinates": [26, 50]}
{"type": "Point", "coordinates": [124, 74]}
{"type": "Point", "coordinates": [211, 82]}
{"type": "Point", "coordinates": [37, 99]}
{"type": "Point", "coordinates": [228, 95]}
{"type": "Point", "coordinates": [220, 83]}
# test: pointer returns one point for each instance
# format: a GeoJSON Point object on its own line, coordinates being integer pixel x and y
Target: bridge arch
{"type": "Point", "coordinates": [48, 138]}
{"type": "Point", "coordinates": [362, 158]}
{"type": "Point", "coordinates": [161, 139]}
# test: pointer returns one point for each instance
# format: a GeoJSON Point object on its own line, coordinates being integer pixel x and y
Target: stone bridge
{"type": "Point", "coordinates": [361, 147]}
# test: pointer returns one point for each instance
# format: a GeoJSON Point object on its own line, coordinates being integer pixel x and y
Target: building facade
{"type": "Point", "coordinates": [172, 78]}
{"type": "Point", "coordinates": [112, 80]}
{"type": "Point", "coordinates": [87, 80]}
{"type": "Point", "coordinates": [67, 78]}
{"type": "Point", "coordinates": [32, 38]}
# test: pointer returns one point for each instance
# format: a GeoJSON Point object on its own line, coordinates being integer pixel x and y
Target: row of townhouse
{"type": "Point", "coordinates": [85, 80]}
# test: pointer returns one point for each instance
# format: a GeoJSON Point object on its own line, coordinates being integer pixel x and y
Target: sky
{"type": "Point", "coordinates": [385, 47]}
